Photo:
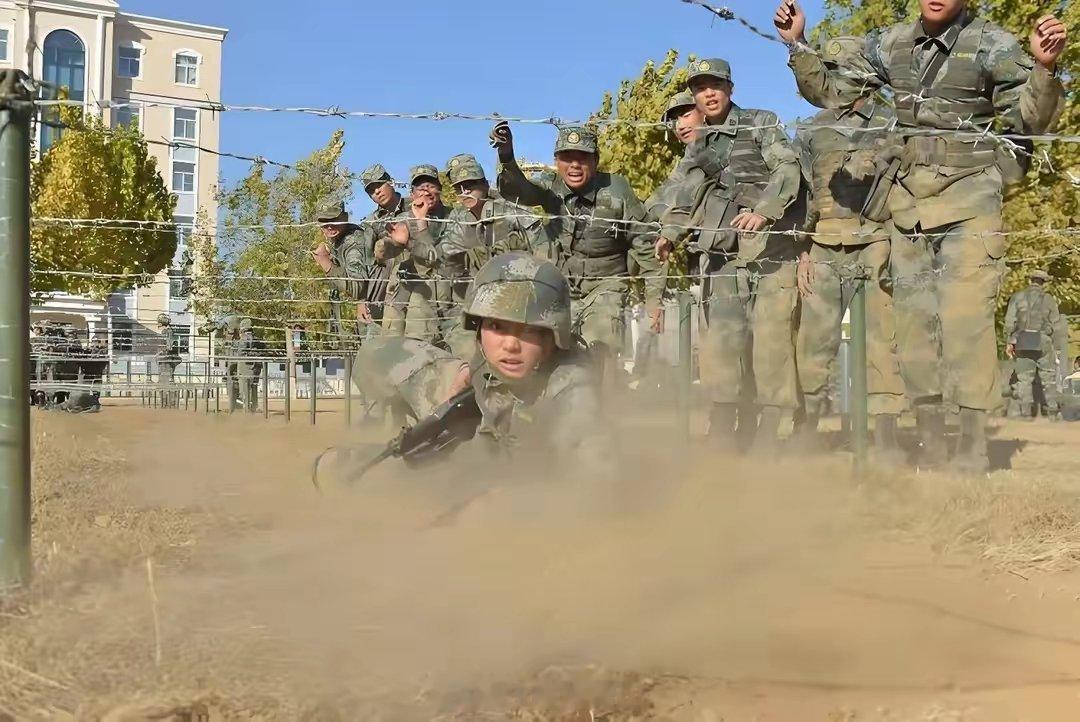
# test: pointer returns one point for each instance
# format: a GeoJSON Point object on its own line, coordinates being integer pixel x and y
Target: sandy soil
{"type": "Point", "coordinates": [186, 569]}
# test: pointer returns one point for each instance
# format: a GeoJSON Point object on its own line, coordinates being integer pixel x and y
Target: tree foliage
{"type": "Point", "coordinates": [646, 156]}
{"type": "Point", "coordinates": [96, 172]}
{"type": "Point", "coordinates": [1050, 195]}
{"type": "Point", "coordinates": [258, 237]}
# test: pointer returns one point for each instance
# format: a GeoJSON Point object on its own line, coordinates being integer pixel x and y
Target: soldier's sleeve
{"type": "Point", "coordinates": [1026, 96]}
{"type": "Point", "coordinates": [526, 234]}
{"type": "Point", "coordinates": [1009, 324]}
{"type": "Point", "coordinates": [663, 197]}
{"type": "Point", "coordinates": [684, 196]}
{"type": "Point", "coordinates": [785, 173]}
{"type": "Point", "coordinates": [1059, 329]}
{"type": "Point", "coordinates": [516, 188]}
{"type": "Point", "coordinates": [452, 244]}
{"type": "Point", "coordinates": [642, 237]}
{"type": "Point", "coordinates": [836, 88]}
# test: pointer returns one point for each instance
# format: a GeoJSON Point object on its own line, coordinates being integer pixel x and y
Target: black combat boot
{"type": "Point", "coordinates": [971, 453]}
{"type": "Point", "coordinates": [722, 419]}
{"type": "Point", "coordinates": [930, 423]}
{"type": "Point", "coordinates": [767, 439]}
{"type": "Point", "coordinates": [887, 451]}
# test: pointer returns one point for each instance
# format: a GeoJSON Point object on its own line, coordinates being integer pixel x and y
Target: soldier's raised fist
{"type": "Point", "coordinates": [502, 138]}
{"type": "Point", "coordinates": [1048, 40]}
{"type": "Point", "coordinates": [790, 21]}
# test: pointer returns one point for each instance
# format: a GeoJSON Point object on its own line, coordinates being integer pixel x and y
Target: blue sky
{"type": "Point", "coordinates": [531, 58]}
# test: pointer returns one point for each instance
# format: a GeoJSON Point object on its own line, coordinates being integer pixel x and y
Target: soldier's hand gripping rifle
{"type": "Point", "coordinates": [430, 438]}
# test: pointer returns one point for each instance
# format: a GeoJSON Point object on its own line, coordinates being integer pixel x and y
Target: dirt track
{"type": "Point", "coordinates": [711, 589]}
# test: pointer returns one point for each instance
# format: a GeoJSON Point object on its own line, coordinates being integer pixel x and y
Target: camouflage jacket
{"type": "Point", "coordinates": [1034, 309]}
{"type": "Point", "coordinates": [420, 258]}
{"type": "Point", "coordinates": [985, 78]}
{"type": "Point", "coordinates": [170, 346]}
{"type": "Point", "coordinates": [397, 368]}
{"type": "Point", "coordinates": [367, 277]}
{"type": "Point", "coordinates": [609, 228]}
{"type": "Point", "coordinates": [470, 242]}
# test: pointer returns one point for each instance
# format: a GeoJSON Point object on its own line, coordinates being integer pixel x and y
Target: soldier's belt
{"type": "Point", "coordinates": [949, 152]}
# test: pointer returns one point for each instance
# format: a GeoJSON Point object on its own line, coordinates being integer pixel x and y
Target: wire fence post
{"type": "Point", "coordinates": [314, 388]}
{"type": "Point", "coordinates": [15, 112]}
{"type": "Point", "coordinates": [288, 390]}
{"type": "Point", "coordinates": [860, 420]}
{"type": "Point", "coordinates": [348, 390]}
{"type": "Point", "coordinates": [686, 361]}
{"type": "Point", "coordinates": [266, 389]}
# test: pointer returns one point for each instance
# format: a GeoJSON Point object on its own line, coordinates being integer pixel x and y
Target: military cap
{"type": "Point", "coordinates": [163, 319]}
{"type": "Point", "coordinates": [463, 168]}
{"type": "Point", "coordinates": [1041, 275]}
{"type": "Point", "coordinates": [842, 50]}
{"type": "Point", "coordinates": [423, 170]}
{"type": "Point", "coordinates": [375, 175]}
{"type": "Point", "coordinates": [576, 137]}
{"type": "Point", "coordinates": [682, 99]}
{"type": "Point", "coordinates": [711, 67]}
{"type": "Point", "coordinates": [330, 210]}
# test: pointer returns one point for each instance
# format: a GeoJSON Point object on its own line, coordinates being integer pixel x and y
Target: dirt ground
{"type": "Point", "coordinates": [186, 569]}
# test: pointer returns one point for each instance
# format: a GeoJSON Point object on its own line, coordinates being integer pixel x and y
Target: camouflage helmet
{"type": "Point", "coordinates": [424, 170]}
{"type": "Point", "coordinates": [374, 175]}
{"type": "Point", "coordinates": [163, 319]}
{"type": "Point", "coordinates": [1041, 275]}
{"type": "Point", "coordinates": [520, 288]}
{"type": "Point", "coordinates": [708, 67]}
{"type": "Point", "coordinates": [330, 210]}
{"type": "Point", "coordinates": [681, 100]}
{"type": "Point", "coordinates": [576, 137]}
{"type": "Point", "coordinates": [463, 168]}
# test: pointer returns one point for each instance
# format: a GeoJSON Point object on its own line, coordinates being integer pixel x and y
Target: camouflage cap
{"type": "Point", "coordinates": [330, 210]}
{"type": "Point", "coordinates": [375, 175]}
{"type": "Point", "coordinates": [423, 170]}
{"type": "Point", "coordinates": [519, 287]}
{"type": "Point", "coordinates": [710, 67]}
{"type": "Point", "coordinates": [842, 50]}
{"type": "Point", "coordinates": [576, 137]}
{"type": "Point", "coordinates": [679, 101]}
{"type": "Point", "coordinates": [1041, 275]}
{"type": "Point", "coordinates": [463, 168]}
{"type": "Point", "coordinates": [163, 319]}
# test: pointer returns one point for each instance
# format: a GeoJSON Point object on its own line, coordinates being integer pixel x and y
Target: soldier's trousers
{"type": "Point", "coordinates": [598, 315]}
{"type": "Point", "coordinates": [823, 311]}
{"type": "Point", "coordinates": [166, 374]}
{"type": "Point", "coordinates": [413, 311]}
{"type": "Point", "coordinates": [945, 285]}
{"type": "Point", "coordinates": [750, 312]}
{"type": "Point", "coordinates": [1030, 366]}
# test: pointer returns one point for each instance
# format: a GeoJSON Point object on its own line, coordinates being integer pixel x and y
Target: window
{"type": "Point", "coordinates": [179, 287]}
{"type": "Point", "coordinates": [5, 44]}
{"type": "Point", "coordinates": [129, 62]}
{"type": "Point", "coordinates": [185, 123]}
{"type": "Point", "coordinates": [187, 68]}
{"type": "Point", "coordinates": [129, 115]}
{"type": "Point", "coordinates": [183, 339]}
{"type": "Point", "coordinates": [183, 170]}
{"type": "Point", "coordinates": [63, 65]}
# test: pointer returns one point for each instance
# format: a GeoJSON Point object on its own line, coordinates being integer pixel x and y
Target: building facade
{"type": "Point", "coordinates": [163, 70]}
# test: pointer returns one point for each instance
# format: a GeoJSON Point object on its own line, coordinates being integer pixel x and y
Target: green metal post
{"type": "Point", "coordinates": [266, 389]}
{"type": "Point", "coordinates": [289, 366]}
{"type": "Point", "coordinates": [348, 390]}
{"type": "Point", "coordinates": [15, 112]}
{"type": "Point", "coordinates": [314, 388]}
{"type": "Point", "coordinates": [860, 419]}
{"type": "Point", "coordinates": [686, 361]}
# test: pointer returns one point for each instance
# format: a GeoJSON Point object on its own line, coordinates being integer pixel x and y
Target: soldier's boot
{"type": "Point", "coordinates": [971, 453]}
{"type": "Point", "coordinates": [886, 450]}
{"type": "Point", "coordinates": [722, 418]}
{"type": "Point", "coordinates": [805, 437]}
{"type": "Point", "coordinates": [930, 424]}
{"type": "Point", "coordinates": [767, 439]}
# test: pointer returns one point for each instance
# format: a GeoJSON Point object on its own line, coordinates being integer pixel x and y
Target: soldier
{"type": "Point", "coordinates": [686, 120]}
{"type": "Point", "coordinates": [739, 178]}
{"type": "Point", "coordinates": [1037, 331]}
{"type": "Point", "coordinates": [948, 70]}
{"type": "Point", "coordinates": [168, 359]}
{"type": "Point", "coordinates": [482, 226]}
{"type": "Point", "coordinates": [342, 258]}
{"type": "Point", "coordinates": [409, 251]}
{"type": "Point", "coordinates": [839, 165]}
{"type": "Point", "coordinates": [598, 226]}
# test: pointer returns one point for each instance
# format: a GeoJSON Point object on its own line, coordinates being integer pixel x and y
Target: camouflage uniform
{"type": "Point", "coordinates": [470, 242]}
{"type": "Point", "coordinates": [560, 399]}
{"type": "Point", "coordinates": [243, 376]}
{"type": "Point", "coordinates": [168, 359]}
{"type": "Point", "coordinates": [839, 166]}
{"type": "Point", "coordinates": [411, 376]}
{"type": "Point", "coordinates": [1033, 309]}
{"type": "Point", "coordinates": [743, 164]}
{"type": "Point", "coordinates": [664, 196]}
{"type": "Point", "coordinates": [372, 235]}
{"type": "Point", "coordinates": [946, 201]}
{"type": "Point", "coordinates": [412, 307]}
{"type": "Point", "coordinates": [594, 248]}
{"type": "Point", "coordinates": [348, 266]}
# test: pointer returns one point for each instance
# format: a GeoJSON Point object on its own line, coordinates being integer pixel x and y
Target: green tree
{"type": "Point", "coordinates": [259, 264]}
{"type": "Point", "coordinates": [96, 172]}
{"type": "Point", "coordinates": [1049, 197]}
{"type": "Point", "coordinates": [645, 155]}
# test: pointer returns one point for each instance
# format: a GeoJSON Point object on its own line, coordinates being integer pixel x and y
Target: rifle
{"type": "Point", "coordinates": [429, 439]}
